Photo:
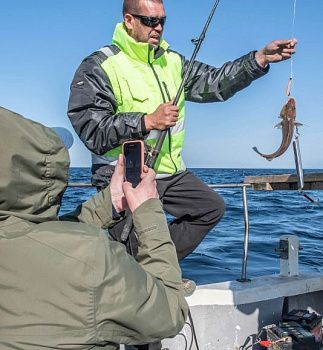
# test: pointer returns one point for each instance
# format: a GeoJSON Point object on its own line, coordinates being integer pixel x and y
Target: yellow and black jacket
{"type": "Point", "coordinates": [116, 86]}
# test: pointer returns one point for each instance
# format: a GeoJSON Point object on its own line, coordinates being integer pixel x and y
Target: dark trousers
{"type": "Point", "coordinates": [195, 207]}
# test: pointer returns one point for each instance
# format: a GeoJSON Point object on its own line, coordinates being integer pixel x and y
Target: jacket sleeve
{"type": "Point", "coordinates": [209, 84]}
{"type": "Point", "coordinates": [141, 303]}
{"type": "Point", "coordinates": [97, 210]}
{"type": "Point", "coordinates": [92, 109]}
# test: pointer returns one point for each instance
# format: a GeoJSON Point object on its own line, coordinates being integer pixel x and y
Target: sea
{"type": "Point", "coordinates": [271, 214]}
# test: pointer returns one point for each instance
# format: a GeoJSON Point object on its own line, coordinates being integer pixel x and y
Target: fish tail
{"type": "Point", "coordinates": [262, 155]}
{"type": "Point", "coordinates": [256, 150]}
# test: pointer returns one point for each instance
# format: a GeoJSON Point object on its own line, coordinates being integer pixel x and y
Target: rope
{"type": "Point", "coordinates": [193, 331]}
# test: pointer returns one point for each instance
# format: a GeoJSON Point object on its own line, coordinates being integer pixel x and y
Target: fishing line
{"type": "Point", "coordinates": [293, 35]}
{"type": "Point", "coordinates": [291, 77]}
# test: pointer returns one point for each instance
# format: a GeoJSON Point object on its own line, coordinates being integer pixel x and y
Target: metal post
{"type": "Point", "coordinates": [246, 237]}
{"type": "Point", "coordinates": [246, 226]}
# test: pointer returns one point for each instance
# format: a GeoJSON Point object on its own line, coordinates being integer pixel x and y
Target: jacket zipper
{"type": "Point", "coordinates": [164, 100]}
{"type": "Point", "coordinates": [168, 131]}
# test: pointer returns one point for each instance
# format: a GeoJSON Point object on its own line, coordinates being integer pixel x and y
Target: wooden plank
{"type": "Point", "coordinates": [312, 181]}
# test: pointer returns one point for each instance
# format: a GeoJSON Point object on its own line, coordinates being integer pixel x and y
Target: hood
{"type": "Point", "coordinates": [136, 50]}
{"type": "Point", "coordinates": [33, 171]}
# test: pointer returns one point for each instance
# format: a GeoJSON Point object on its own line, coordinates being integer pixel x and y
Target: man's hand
{"type": "Point", "coordinates": [276, 51]}
{"type": "Point", "coordinates": [147, 189]}
{"type": "Point", "coordinates": [164, 117]}
{"type": "Point", "coordinates": [117, 195]}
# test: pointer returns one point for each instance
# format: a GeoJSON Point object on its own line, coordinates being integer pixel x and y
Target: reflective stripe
{"type": "Point", "coordinates": [154, 134]}
{"type": "Point", "coordinates": [163, 175]}
{"type": "Point", "coordinates": [107, 51]}
{"type": "Point", "coordinates": [96, 159]}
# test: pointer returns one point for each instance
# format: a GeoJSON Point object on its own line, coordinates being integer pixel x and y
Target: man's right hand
{"type": "Point", "coordinates": [164, 117]}
{"type": "Point", "coordinates": [147, 189]}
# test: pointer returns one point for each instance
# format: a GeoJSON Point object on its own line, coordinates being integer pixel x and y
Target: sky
{"type": "Point", "coordinates": [44, 41]}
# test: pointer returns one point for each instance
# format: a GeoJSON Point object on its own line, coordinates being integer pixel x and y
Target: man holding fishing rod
{"type": "Point", "coordinates": [125, 91]}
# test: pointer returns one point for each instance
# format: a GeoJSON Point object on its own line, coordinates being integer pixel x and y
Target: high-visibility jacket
{"type": "Point", "coordinates": [141, 82]}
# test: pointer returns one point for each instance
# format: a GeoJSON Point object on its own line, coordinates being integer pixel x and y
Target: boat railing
{"type": "Point", "coordinates": [243, 186]}
{"type": "Point", "coordinates": [311, 181]}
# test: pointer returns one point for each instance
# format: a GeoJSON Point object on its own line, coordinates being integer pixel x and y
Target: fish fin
{"type": "Point", "coordinates": [256, 150]}
{"type": "Point", "coordinates": [297, 124]}
{"type": "Point", "coordinates": [263, 155]}
{"type": "Point", "coordinates": [278, 126]}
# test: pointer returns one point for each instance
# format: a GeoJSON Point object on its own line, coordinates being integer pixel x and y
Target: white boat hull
{"type": "Point", "coordinates": [230, 314]}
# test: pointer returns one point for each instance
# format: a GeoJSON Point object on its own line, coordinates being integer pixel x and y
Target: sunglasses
{"type": "Point", "coordinates": [151, 22]}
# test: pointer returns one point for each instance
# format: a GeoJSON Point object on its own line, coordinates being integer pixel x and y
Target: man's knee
{"type": "Point", "coordinates": [220, 206]}
{"type": "Point", "coordinates": [217, 208]}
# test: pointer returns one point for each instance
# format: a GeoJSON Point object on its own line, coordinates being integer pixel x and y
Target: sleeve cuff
{"type": "Point", "coordinates": [148, 216]}
{"type": "Point", "coordinates": [252, 67]}
{"type": "Point", "coordinates": [255, 63]}
{"type": "Point", "coordinates": [143, 126]}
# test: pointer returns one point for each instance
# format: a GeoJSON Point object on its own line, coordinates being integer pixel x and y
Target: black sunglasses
{"type": "Point", "coordinates": [151, 22]}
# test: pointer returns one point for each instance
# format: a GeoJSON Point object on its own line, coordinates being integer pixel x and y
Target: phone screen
{"type": "Point", "coordinates": [133, 161]}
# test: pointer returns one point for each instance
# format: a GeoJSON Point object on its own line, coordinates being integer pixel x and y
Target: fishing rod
{"type": "Point", "coordinates": [153, 153]}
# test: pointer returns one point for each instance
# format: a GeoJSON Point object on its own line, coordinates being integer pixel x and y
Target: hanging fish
{"type": "Point", "coordinates": [288, 124]}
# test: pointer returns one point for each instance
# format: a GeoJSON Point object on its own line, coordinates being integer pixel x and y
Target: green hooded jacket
{"type": "Point", "coordinates": [63, 283]}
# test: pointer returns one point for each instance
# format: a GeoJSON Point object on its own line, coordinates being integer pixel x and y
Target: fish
{"type": "Point", "coordinates": [288, 124]}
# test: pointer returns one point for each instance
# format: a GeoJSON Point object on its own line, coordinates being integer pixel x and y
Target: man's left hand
{"type": "Point", "coordinates": [276, 51]}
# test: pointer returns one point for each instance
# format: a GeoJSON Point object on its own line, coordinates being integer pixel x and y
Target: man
{"type": "Point", "coordinates": [123, 92]}
{"type": "Point", "coordinates": [63, 283]}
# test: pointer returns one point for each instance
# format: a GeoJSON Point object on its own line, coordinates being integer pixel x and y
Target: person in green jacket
{"type": "Point", "coordinates": [64, 284]}
{"type": "Point", "coordinates": [124, 91]}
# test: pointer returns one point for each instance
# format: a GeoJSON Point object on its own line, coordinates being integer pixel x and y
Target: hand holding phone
{"type": "Point", "coordinates": [147, 189]}
{"type": "Point", "coordinates": [133, 152]}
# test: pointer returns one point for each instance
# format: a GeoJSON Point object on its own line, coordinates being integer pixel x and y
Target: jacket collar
{"type": "Point", "coordinates": [138, 51]}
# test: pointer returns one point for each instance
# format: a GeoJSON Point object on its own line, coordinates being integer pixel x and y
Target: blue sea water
{"type": "Point", "coordinates": [271, 214]}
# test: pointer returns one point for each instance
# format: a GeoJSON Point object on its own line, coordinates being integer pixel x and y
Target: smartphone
{"type": "Point", "coordinates": [133, 152]}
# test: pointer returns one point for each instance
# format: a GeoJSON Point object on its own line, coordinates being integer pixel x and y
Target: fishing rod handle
{"type": "Point", "coordinates": [154, 152]}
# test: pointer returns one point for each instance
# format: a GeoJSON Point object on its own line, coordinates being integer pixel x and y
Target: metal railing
{"type": "Point", "coordinates": [243, 277]}
{"type": "Point", "coordinates": [243, 187]}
